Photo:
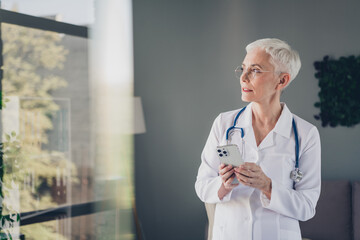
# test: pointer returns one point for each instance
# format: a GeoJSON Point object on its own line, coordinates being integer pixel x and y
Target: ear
{"type": "Point", "coordinates": [284, 81]}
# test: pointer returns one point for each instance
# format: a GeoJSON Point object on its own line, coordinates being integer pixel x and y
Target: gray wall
{"type": "Point", "coordinates": [185, 54]}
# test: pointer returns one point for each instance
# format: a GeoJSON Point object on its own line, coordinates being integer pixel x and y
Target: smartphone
{"type": "Point", "coordinates": [230, 155]}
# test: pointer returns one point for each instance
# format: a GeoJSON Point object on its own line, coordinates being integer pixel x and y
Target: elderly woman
{"type": "Point", "coordinates": [279, 183]}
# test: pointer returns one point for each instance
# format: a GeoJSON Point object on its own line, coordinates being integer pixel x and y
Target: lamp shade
{"type": "Point", "coordinates": [139, 122]}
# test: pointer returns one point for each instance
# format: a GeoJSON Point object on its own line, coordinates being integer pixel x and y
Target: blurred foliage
{"type": "Point", "coordinates": [30, 58]}
{"type": "Point", "coordinates": [339, 82]}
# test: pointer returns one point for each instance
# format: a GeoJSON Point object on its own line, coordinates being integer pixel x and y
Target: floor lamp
{"type": "Point", "coordinates": [139, 127]}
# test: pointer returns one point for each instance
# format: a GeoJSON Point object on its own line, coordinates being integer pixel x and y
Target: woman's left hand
{"type": "Point", "coordinates": [250, 174]}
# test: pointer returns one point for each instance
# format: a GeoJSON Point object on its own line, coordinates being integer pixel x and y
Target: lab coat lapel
{"type": "Point", "coordinates": [245, 122]}
{"type": "Point", "coordinates": [249, 138]}
{"type": "Point", "coordinates": [268, 141]}
{"type": "Point", "coordinates": [283, 127]}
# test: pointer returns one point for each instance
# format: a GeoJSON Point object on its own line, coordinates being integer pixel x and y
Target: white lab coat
{"type": "Point", "coordinates": [245, 213]}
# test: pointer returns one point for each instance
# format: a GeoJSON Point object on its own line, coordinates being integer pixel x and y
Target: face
{"type": "Point", "coordinates": [264, 86]}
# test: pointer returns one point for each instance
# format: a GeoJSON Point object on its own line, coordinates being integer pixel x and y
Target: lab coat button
{"type": "Point", "coordinates": [247, 218]}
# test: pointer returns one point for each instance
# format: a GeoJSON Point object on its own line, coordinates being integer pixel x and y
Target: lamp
{"type": "Point", "coordinates": [139, 122]}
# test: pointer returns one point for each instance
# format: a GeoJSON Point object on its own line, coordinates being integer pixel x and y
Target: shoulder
{"type": "Point", "coordinates": [229, 115]}
{"type": "Point", "coordinates": [227, 118]}
{"type": "Point", "coordinates": [306, 130]}
{"type": "Point", "coordinates": [303, 124]}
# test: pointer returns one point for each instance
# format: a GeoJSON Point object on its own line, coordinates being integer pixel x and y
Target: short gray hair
{"type": "Point", "coordinates": [283, 57]}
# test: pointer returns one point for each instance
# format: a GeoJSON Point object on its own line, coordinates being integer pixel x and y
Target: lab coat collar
{"type": "Point", "coordinates": [284, 123]}
{"type": "Point", "coordinates": [283, 127]}
{"type": "Point", "coordinates": [245, 122]}
{"type": "Point", "coordinates": [245, 119]}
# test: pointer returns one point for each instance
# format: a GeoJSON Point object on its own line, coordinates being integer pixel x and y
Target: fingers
{"type": "Point", "coordinates": [244, 180]}
{"type": "Point", "coordinates": [250, 166]}
{"type": "Point", "coordinates": [223, 168]}
{"type": "Point", "coordinates": [246, 172]}
{"type": "Point", "coordinates": [228, 183]}
{"type": "Point", "coordinates": [250, 174]}
{"type": "Point", "coordinates": [227, 175]}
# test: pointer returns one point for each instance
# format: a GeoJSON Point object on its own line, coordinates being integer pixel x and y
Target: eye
{"type": "Point", "coordinates": [255, 70]}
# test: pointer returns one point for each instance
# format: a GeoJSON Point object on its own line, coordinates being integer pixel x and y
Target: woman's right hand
{"type": "Point", "coordinates": [225, 173]}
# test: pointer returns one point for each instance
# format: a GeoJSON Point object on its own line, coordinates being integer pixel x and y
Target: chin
{"type": "Point", "coordinates": [245, 99]}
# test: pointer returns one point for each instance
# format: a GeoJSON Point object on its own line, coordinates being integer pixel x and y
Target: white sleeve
{"type": "Point", "coordinates": [208, 180]}
{"type": "Point", "coordinates": [300, 203]}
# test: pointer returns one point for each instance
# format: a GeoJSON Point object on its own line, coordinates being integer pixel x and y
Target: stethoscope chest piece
{"type": "Point", "coordinates": [296, 175]}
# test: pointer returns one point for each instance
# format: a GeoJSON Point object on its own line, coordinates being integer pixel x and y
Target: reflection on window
{"type": "Point", "coordinates": [52, 157]}
{"type": "Point", "coordinates": [45, 123]}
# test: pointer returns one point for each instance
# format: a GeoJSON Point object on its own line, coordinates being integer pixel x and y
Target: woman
{"type": "Point", "coordinates": [266, 203]}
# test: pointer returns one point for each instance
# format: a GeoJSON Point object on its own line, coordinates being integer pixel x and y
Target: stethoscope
{"type": "Point", "coordinates": [296, 175]}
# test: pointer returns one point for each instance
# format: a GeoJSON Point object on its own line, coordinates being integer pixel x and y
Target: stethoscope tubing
{"type": "Point", "coordinates": [295, 134]}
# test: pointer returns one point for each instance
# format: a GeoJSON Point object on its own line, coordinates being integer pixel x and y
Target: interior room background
{"type": "Point", "coordinates": [185, 55]}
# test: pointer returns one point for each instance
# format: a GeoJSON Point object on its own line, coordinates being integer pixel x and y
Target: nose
{"type": "Point", "coordinates": [244, 76]}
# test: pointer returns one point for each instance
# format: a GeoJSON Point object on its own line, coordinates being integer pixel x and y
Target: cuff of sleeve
{"type": "Point", "coordinates": [264, 200]}
{"type": "Point", "coordinates": [227, 197]}
{"type": "Point", "coordinates": [277, 193]}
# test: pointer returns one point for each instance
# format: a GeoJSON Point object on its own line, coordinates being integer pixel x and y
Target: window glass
{"type": "Point", "coordinates": [67, 137]}
{"type": "Point", "coordinates": [79, 12]}
{"type": "Point", "coordinates": [46, 127]}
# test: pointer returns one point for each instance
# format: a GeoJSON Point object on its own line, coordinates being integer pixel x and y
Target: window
{"type": "Point", "coordinates": [54, 186]}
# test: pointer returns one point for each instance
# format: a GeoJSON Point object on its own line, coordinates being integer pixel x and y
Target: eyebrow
{"type": "Point", "coordinates": [253, 65]}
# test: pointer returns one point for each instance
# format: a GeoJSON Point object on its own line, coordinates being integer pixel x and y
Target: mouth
{"type": "Point", "coordinates": [246, 90]}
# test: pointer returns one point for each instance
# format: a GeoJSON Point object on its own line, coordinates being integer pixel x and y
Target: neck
{"type": "Point", "coordinates": [266, 113]}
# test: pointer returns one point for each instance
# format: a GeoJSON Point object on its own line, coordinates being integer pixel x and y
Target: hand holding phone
{"type": "Point", "coordinates": [230, 155]}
